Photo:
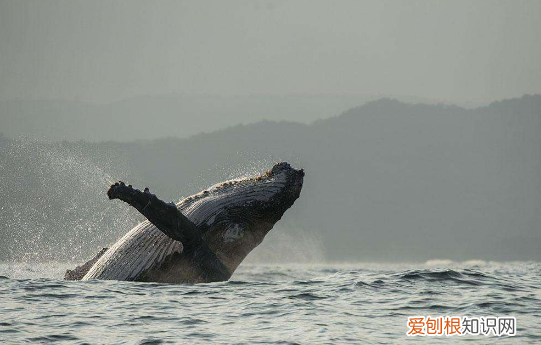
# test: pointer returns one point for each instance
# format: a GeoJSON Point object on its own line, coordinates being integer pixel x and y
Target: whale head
{"type": "Point", "coordinates": [234, 216]}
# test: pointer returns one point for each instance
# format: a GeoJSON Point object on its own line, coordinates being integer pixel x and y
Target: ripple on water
{"type": "Point", "coordinates": [327, 305]}
{"type": "Point", "coordinates": [53, 338]}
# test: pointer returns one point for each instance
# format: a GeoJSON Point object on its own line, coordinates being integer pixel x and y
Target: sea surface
{"type": "Point", "coordinates": [269, 304]}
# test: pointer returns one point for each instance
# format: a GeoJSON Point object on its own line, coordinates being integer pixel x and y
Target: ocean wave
{"type": "Point", "coordinates": [278, 305]}
{"type": "Point", "coordinates": [464, 276]}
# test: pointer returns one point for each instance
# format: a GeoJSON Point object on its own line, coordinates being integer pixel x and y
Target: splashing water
{"type": "Point", "coordinates": [55, 207]}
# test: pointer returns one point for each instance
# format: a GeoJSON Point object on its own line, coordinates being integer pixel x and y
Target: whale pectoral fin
{"type": "Point", "coordinates": [166, 216]}
{"type": "Point", "coordinates": [79, 272]}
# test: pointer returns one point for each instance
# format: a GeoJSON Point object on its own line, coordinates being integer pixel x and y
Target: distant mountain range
{"type": "Point", "coordinates": [151, 117]}
{"type": "Point", "coordinates": [387, 181]}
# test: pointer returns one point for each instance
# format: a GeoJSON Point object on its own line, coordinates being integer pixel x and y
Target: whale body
{"type": "Point", "coordinates": [202, 238]}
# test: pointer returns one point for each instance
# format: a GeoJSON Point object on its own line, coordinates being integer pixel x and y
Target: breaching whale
{"type": "Point", "coordinates": [203, 238]}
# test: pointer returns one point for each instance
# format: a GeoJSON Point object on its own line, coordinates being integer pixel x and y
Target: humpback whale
{"type": "Point", "coordinates": [202, 238]}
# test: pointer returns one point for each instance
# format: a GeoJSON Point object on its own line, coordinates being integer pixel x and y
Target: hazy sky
{"type": "Point", "coordinates": [102, 51]}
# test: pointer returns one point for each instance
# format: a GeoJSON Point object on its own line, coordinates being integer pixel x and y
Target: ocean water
{"type": "Point", "coordinates": [269, 304]}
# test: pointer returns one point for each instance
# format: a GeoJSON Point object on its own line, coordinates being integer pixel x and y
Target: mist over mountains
{"type": "Point", "coordinates": [175, 115]}
{"type": "Point", "coordinates": [386, 181]}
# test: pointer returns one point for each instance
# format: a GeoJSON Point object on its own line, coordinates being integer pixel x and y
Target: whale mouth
{"type": "Point", "coordinates": [289, 182]}
{"type": "Point", "coordinates": [295, 175]}
{"type": "Point", "coordinates": [287, 179]}
{"type": "Point", "coordinates": [280, 178]}
{"type": "Point", "coordinates": [284, 166]}
{"type": "Point", "coordinates": [294, 178]}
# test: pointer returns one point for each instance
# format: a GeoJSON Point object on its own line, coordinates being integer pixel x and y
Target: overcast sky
{"type": "Point", "coordinates": [101, 51]}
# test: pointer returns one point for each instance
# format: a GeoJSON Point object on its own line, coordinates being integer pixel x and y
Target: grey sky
{"type": "Point", "coordinates": [101, 51]}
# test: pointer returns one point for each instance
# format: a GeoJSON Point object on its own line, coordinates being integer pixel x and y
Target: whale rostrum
{"type": "Point", "coordinates": [202, 238]}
